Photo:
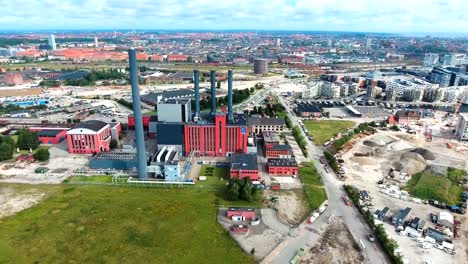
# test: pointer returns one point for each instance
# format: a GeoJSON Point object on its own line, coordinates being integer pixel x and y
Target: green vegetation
{"type": "Point", "coordinates": [313, 184]}
{"type": "Point", "coordinates": [347, 137]}
{"type": "Point", "coordinates": [238, 96]}
{"type": "Point", "coordinates": [109, 224]}
{"type": "Point", "coordinates": [125, 103]}
{"type": "Point", "coordinates": [323, 130]}
{"type": "Point", "coordinates": [241, 189]}
{"type": "Point", "coordinates": [427, 185]}
{"type": "Point", "coordinates": [27, 140]}
{"type": "Point", "coordinates": [89, 179]}
{"type": "Point", "coordinates": [300, 139]}
{"type": "Point", "coordinates": [42, 154]}
{"type": "Point", "coordinates": [7, 147]}
{"type": "Point", "coordinates": [94, 75]}
{"type": "Point", "coordinates": [390, 245]}
{"type": "Point", "coordinates": [113, 144]}
{"type": "Point", "coordinates": [331, 160]}
{"type": "Point", "coordinates": [10, 108]}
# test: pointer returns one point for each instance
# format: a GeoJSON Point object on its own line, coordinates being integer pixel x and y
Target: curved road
{"type": "Point", "coordinates": [304, 238]}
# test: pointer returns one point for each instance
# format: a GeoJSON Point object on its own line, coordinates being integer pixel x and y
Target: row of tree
{"type": "Point", "coordinates": [238, 96]}
{"type": "Point", "coordinates": [27, 140]}
{"type": "Point", "coordinates": [300, 139]}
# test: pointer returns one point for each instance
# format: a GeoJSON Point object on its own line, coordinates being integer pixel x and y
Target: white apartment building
{"type": "Point", "coordinates": [398, 87]}
{"type": "Point", "coordinates": [431, 59]}
{"type": "Point", "coordinates": [454, 59]}
{"type": "Point", "coordinates": [312, 90]}
{"type": "Point", "coordinates": [462, 127]}
{"type": "Point", "coordinates": [331, 90]}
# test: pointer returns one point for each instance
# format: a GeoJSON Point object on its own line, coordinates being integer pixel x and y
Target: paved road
{"type": "Point", "coordinates": [304, 238]}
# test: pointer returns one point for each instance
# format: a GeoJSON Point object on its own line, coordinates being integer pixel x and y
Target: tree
{"type": "Point", "coordinates": [233, 190]}
{"type": "Point", "coordinates": [42, 154]}
{"type": "Point", "coordinates": [69, 120]}
{"type": "Point", "coordinates": [246, 189]}
{"type": "Point", "coordinates": [92, 112]}
{"type": "Point", "coordinates": [6, 148]}
{"type": "Point", "coordinates": [27, 140]}
{"type": "Point", "coordinates": [113, 144]}
{"type": "Point", "coordinates": [218, 84]}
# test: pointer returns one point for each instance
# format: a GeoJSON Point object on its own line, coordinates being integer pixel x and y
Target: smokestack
{"type": "Point", "coordinates": [230, 111]}
{"type": "Point", "coordinates": [140, 137]}
{"type": "Point", "coordinates": [213, 92]}
{"type": "Point", "coordinates": [196, 79]}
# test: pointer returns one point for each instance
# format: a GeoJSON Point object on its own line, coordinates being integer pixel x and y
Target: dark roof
{"type": "Point", "coordinates": [256, 121]}
{"type": "Point", "coordinates": [172, 94]}
{"type": "Point", "coordinates": [282, 147]}
{"type": "Point", "coordinates": [207, 118]}
{"type": "Point", "coordinates": [244, 162]}
{"type": "Point", "coordinates": [308, 108]}
{"type": "Point", "coordinates": [170, 133]}
{"type": "Point", "coordinates": [94, 125]}
{"type": "Point", "coordinates": [49, 133]}
{"type": "Point", "coordinates": [282, 162]}
{"type": "Point", "coordinates": [407, 113]}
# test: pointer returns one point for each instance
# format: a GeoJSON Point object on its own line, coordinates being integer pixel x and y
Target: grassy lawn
{"type": "Point", "coordinates": [426, 185]}
{"type": "Point", "coordinates": [323, 130]}
{"type": "Point", "coordinates": [153, 112]}
{"type": "Point", "coordinates": [313, 184]}
{"type": "Point", "coordinates": [110, 224]}
{"type": "Point", "coordinates": [90, 179]}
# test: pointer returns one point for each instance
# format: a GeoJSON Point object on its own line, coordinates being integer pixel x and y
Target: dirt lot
{"type": "Point", "coordinates": [263, 237]}
{"type": "Point", "coordinates": [13, 200]}
{"type": "Point", "coordinates": [61, 165]}
{"type": "Point", "coordinates": [336, 245]}
{"type": "Point", "coordinates": [292, 205]}
{"type": "Point", "coordinates": [387, 149]}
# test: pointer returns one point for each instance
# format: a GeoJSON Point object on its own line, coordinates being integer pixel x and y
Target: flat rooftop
{"type": "Point", "coordinates": [282, 162]}
{"type": "Point", "coordinates": [244, 162]}
{"type": "Point", "coordinates": [269, 136]}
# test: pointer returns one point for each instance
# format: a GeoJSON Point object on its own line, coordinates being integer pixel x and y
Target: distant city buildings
{"type": "Point", "coordinates": [368, 43]}
{"type": "Point", "coordinates": [454, 59]}
{"type": "Point", "coordinates": [261, 66]}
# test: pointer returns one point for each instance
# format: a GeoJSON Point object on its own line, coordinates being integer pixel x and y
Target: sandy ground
{"type": "Point", "coordinates": [61, 165]}
{"type": "Point", "coordinates": [263, 237]}
{"type": "Point", "coordinates": [364, 172]}
{"type": "Point", "coordinates": [291, 205]}
{"type": "Point", "coordinates": [336, 245]}
{"type": "Point", "coordinates": [13, 201]}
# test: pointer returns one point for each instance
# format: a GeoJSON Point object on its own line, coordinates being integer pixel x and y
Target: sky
{"type": "Point", "coordinates": [395, 16]}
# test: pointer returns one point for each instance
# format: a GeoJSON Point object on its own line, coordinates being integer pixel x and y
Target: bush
{"type": "Point", "coordinates": [113, 144]}
{"type": "Point", "coordinates": [42, 154]}
{"type": "Point", "coordinates": [331, 160]}
{"type": "Point", "coordinates": [241, 189]}
{"type": "Point", "coordinates": [7, 147]}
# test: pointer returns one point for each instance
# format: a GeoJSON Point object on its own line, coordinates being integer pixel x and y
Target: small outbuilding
{"type": "Point", "coordinates": [445, 219]}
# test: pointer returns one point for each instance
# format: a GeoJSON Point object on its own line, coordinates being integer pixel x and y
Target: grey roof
{"type": "Point", "coordinates": [244, 162]}
{"type": "Point", "coordinates": [94, 125]}
{"type": "Point", "coordinates": [115, 156]}
{"type": "Point", "coordinates": [264, 121]}
{"type": "Point", "coordinates": [282, 162]}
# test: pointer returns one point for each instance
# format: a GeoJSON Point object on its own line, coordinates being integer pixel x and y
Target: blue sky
{"type": "Point", "coordinates": [399, 16]}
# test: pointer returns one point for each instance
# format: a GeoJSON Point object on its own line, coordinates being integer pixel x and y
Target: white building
{"type": "Point", "coordinates": [454, 59]}
{"type": "Point", "coordinates": [431, 59]}
{"type": "Point", "coordinates": [52, 43]}
{"type": "Point", "coordinates": [398, 87]}
{"type": "Point", "coordinates": [455, 94]}
{"type": "Point", "coordinates": [462, 127]}
{"type": "Point", "coordinates": [368, 43]}
{"type": "Point", "coordinates": [331, 90]}
{"type": "Point", "coordinates": [312, 90]}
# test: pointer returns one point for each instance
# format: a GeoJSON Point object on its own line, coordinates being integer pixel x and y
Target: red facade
{"type": "Point", "coordinates": [50, 135]}
{"type": "Point", "coordinates": [248, 213]}
{"type": "Point", "coordinates": [277, 153]}
{"type": "Point", "coordinates": [131, 121]}
{"type": "Point", "coordinates": [218, 139]}
{"type": "Point", "coordinates": [282, 170]}
{"type": "Point", "coordinates": [85, 141]}
{"type": "Point", "coordinates": [253, 174]}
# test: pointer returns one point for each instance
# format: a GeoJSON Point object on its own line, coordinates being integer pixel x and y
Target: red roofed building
{"type": "Point", "coordinates": [29, 53]}
{"type": "Point", "coordinates": [142, 56]}
{"type": "Point", "coordinates": [176, 57]}
{"type": "Point", "coordinates": [156, 57]}
{"type": "Point", "coordinates": [13, 78]}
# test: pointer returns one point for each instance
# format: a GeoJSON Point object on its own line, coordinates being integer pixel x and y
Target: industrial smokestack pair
{"type": "Point", "coordinates": [196, 83]}
{"type": "Point", "coordinates": [139, 134]}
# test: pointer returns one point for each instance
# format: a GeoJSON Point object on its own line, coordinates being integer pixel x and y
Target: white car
{"type": "Point", "coordinates": [426, 245]}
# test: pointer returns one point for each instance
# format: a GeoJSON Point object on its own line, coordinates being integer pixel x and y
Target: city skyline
{"type": "Point", "coordinates": [353, 16]}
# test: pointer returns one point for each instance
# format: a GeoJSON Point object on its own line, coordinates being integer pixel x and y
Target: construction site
{"type": "Point", "coordinates": [407, 178]}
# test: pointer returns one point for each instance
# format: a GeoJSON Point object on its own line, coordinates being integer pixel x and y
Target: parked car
{"type": "Point", "coordinates": [346, 200]}
{"type": "Point", "coordinates": [371, 238]}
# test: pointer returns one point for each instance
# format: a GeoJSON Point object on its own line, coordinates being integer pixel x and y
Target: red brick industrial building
{"type": "Point", "coordinates": [244, 165]}
{"type": "Point", "coordinates": [278, 151]}
{"type": "Point", "coordinates": [131, 121]}
{"type": "Point", "coordinates": [89, 137]}
{"type": "Point", "coordinates": [219, 138]}
{"type": "Point", "coordinates": [405, 117]}
{"type": "Point", "coordinates": [50, 135]}
{"type": "Point", "coordinates": [282, 167]}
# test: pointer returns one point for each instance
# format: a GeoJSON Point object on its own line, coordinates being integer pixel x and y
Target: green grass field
{"type": "Point", "coordinates": [313, 184]}
{"type": "Point", "coordinates": [110, 224]}
{"type": "Point", "coordinates": [425, 185]}
{"type": "Point", "coordinates": [90, 179]}
{"type": "Point", "coordinates": [323, 130]}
